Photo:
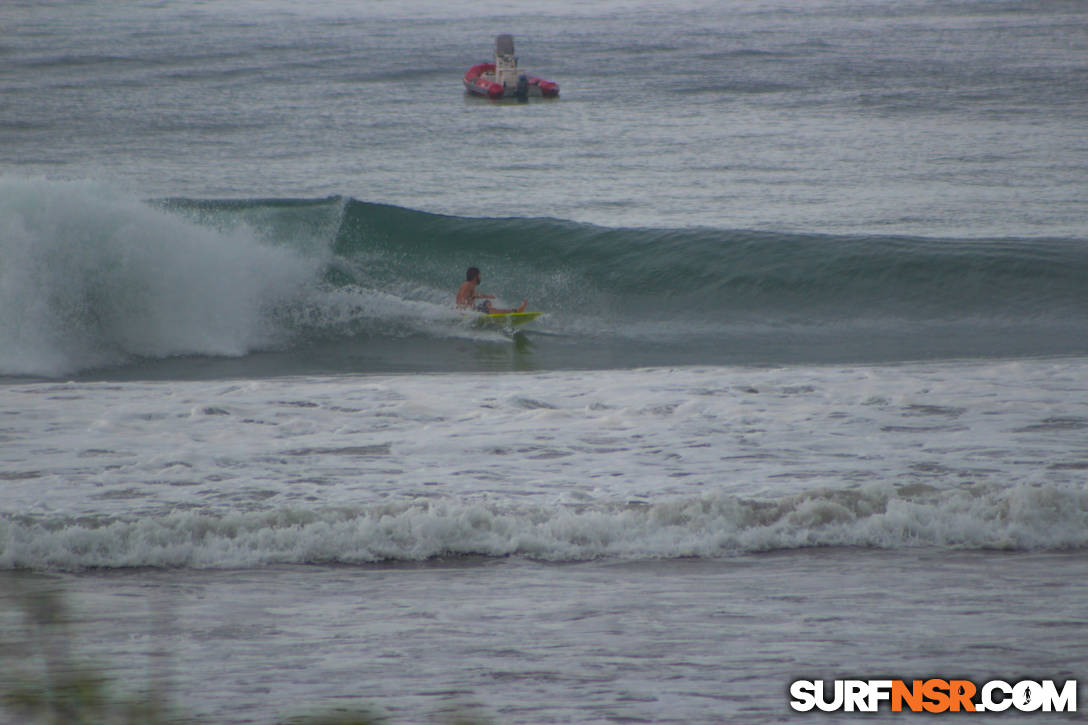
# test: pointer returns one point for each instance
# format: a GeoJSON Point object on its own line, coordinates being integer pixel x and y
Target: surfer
{"type": "Point", "coordinates": [467, 296]}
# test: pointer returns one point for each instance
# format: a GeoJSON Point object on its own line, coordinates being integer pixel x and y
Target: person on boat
{"type": "Point", "coordinates": [469, 298]}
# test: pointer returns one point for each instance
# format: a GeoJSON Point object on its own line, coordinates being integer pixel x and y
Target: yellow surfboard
{"type": "Point", "coordinates": [506, 319]}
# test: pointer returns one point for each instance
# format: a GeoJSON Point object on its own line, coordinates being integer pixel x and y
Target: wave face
{"type": "Point", "coordinates": [708, 274]}
{"type": "Point", "coordinates": [93, 278]}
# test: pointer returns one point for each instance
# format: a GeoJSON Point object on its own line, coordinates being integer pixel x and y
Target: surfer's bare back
{"type": "Point", "coordinates": [468, 295]}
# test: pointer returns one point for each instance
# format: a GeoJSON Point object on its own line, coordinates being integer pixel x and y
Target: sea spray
{"type": "Point", "coordinates": [93, 277]}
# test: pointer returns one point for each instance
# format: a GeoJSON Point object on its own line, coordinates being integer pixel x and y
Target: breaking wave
{"type": "Point", "coordinates": [1016, 518]}
{"type": "Point", "coordinates": [92, 277]}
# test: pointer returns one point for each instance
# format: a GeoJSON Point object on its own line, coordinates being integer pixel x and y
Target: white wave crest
{"type": "Point", "coordinates": [92, 277]}
{"type": "Point", "coordinates": [1016, 518]}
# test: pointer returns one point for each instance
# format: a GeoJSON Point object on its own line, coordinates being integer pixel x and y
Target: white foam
{"type": "Point", "coordinates": [639, 463]}
{"type": "Point", "coordinates": [92, 276]}
{"type": "Point", "coordinates": [354, 309]}
{"type": "Point", "coordinates": [1017, 518]}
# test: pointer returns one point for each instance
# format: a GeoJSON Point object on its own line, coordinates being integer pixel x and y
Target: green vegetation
{"type": "Point", "coordinates": [42, 681]}
{"type": "Point", "coordinates": [45, 684]}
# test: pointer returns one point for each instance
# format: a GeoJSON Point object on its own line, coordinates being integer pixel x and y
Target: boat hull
{"type": "Point", "coordinates": [480, 80]}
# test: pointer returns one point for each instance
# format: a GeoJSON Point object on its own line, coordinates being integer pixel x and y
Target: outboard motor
{"type": "Point", "coordinates": [522, 92]}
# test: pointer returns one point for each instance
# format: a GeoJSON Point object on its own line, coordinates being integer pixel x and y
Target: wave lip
{"type": "Point", "coordinates": [1016, 518]}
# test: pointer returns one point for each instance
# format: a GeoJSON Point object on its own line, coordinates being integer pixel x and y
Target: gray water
{"type": "Point", "coordinates": [244, 435]}
{"type": "Point", "coordinates": [946, 119]}
{"type": "Point", "coordinates": [676, 641]}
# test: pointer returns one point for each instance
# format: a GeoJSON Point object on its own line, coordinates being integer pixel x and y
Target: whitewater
{"type": "Point", "coordinates": [637, 464]}
{"type": "Point", "coordinates": [808, 399]}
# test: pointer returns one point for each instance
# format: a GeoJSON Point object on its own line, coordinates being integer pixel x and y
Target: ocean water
{"type": "Point", "coordinates": [809, 399]}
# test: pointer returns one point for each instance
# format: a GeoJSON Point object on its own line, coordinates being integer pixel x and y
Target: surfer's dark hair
{"type": "Point", "coordinates": [471, 274]}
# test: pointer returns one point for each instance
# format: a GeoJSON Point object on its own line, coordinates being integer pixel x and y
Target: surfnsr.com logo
{"type": "Point", "coordinates": [933, 695]}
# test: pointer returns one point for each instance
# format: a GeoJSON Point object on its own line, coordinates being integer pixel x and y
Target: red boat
{"type": "Point", "coordinates": [502, 79]}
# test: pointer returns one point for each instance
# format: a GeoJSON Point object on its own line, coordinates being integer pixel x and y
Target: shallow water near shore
{"type": "Point", "coordinates": [519, 641]}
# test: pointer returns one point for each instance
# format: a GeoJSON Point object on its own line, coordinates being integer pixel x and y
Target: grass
{"type": "Point", "coordinates": [43, 682]}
